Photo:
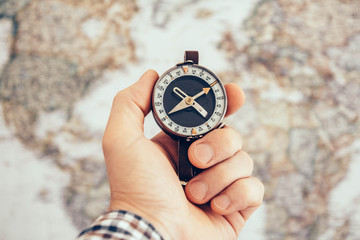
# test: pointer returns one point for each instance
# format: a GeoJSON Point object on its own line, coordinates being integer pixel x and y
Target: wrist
{"type": "Point", "coordinates": [165, 230]}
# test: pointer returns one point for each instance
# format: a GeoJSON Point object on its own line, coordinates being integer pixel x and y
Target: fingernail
{"type": "Point", "coordinates": [198, 190]}
{"type": "Point", "coordinates": [203, 152]}
{"type": "Point", "coordinates": [222, 202]}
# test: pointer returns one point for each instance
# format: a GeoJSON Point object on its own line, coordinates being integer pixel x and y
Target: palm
{"type": "Point", "coordinates": [153, 188]}
{"type": "Point", "coordinates": [167, 195]}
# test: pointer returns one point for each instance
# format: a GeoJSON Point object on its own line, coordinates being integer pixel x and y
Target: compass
{"type": "Point", "coordinates": [188, 101]}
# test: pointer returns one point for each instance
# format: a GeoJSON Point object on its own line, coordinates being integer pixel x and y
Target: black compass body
{"type": "Point", "coordinates": [188, 101]}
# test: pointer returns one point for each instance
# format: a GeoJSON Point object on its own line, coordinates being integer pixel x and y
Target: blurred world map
{"type": "Point", "coordinates": [298, 61]}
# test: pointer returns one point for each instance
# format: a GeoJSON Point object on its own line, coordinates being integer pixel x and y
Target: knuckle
{"type": "Point", "coordinates": [233, 137]}
{"type": "Point", "coordinates": [106, 143]}
{"type": "Point", "coordinates": [119, 97]}
{"type": "Point", "coordinates": [232, 134]}
{"type": "Point", "coordinates": [246, 160]}
{"type": "Point", "coordinates": [223, 140]}
{"type": "Point", "coordinates": [253, 192]}
{"type": "Point", "coordinates": [229, 139]}
{"type": "Point", "coordinates": [258, 192]}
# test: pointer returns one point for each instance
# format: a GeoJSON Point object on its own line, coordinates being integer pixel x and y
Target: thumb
{"type": "Point", "coordinates": [130, 106]}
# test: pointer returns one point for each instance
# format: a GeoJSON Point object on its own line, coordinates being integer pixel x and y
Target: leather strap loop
{"type": "Point", "coordinates": [192, 56]}
{"type": "Point", "coordinates": [186, 171]}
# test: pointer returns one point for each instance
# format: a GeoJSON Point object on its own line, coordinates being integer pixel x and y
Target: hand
{"type": "Point", "coordinates": [143, 179]}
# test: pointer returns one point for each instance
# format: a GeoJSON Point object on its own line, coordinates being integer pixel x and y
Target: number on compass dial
{"type": "Point", "coordinates": [189, 100]}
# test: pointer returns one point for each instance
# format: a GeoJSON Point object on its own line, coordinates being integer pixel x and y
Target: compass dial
{"type": "Point", "coordinates": [188, 101]}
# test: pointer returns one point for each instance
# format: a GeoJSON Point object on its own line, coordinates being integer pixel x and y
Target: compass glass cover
{"type": "Point", "coordinates": [188, 101]}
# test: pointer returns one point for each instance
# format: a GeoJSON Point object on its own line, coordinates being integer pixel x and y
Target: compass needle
{"type": "Point", "coordinates": [200, 109]}
{"type": "Point", "coordinates": [179, 92]}
{"type": "Point", "coordinates": [206, 90]}
{"type": "Point", "coordinates": [180, 106]}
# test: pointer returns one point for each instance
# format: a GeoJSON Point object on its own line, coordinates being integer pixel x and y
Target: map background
{"type": "Point", "coordinates": [62, 62]}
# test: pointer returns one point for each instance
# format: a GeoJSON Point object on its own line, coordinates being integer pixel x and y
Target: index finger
{"type": "Point", "coordinates": [214, 147]}
{"type": "Point", "coordinates": [236, 98]}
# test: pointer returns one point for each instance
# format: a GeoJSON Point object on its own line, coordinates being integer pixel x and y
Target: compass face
{"type": "Point", "coordinates": [188, 101]}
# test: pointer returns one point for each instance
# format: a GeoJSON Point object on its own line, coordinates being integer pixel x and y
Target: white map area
{"type": "Point", "coordinates": [31, 189]}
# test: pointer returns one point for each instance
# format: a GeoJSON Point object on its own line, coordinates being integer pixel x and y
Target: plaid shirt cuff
{"type": "Point", "coordinates": [116, 225]}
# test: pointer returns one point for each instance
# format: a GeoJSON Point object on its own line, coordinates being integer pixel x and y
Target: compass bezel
{"type": "Point", "coordinates": [203, 74]}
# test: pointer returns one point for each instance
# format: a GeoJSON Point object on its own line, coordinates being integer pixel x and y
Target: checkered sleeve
{"type": "Point", "coordinates": [116, 225]}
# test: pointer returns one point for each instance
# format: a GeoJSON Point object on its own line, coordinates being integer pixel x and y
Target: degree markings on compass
{"type": "Point", "coordinates": [215, 82]}
{"type": "Point", "coordinates": [193, 131]}
{"type": "Point", "coordinates": [201, 73]}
